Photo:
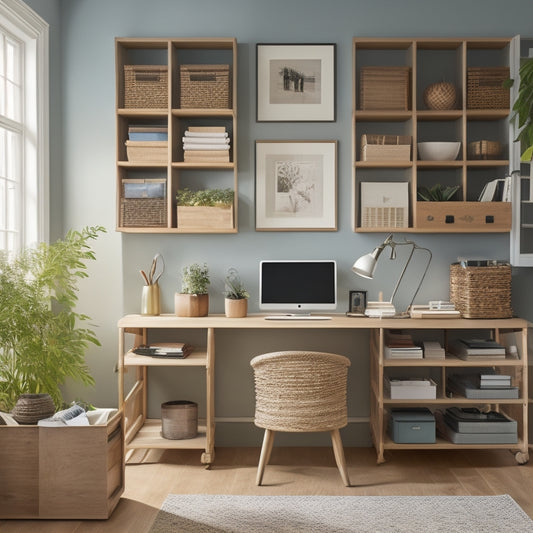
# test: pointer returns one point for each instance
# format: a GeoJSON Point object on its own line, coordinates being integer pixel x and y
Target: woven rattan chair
{"type": "Point", "coordinates": [299, 391]}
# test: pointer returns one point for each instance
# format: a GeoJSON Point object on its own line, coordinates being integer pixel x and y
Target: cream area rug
{"type": "Point", "coordinates": [209, 513]}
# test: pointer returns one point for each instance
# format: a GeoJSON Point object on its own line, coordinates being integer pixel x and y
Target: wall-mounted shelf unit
{"type": "Point", "coordinates": [163, 98]}
{"type": "Point", "coordinates": [424, 62]}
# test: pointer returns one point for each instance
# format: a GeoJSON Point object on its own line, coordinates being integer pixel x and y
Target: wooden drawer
{"type": "Point", "coordinates": [75, 472]}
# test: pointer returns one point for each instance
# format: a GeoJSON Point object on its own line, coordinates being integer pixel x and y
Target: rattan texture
{"type": "Point", "coordinates": [440, 96]}
{"type": "Point", "coordinates": [150, 212]}
{"type": "Point", "coordinates": [145, 86]}
{"type": "Point", "coordinates": [485, 88]}
{"type": "Point", "coordinates": [481, 292]}
{"type": "Point", "coordinates": [484, 150]}
{"type": "Point", "coordinates": [30, 408]}
{"type": "Point", "coordinates": [299, 391]}
{"type": "Point", "coordinates": [205, 86]}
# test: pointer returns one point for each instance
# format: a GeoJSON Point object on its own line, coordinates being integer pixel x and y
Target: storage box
{"type": "Point", "coordinates": [148, 133]}
{"type": "Point", "coordinates": [147, 151]}
{"type": "Point", "coordinates": [484, 150]}
{"type": "Point", "coordinates": [385, 88]}
{"type": "Point", "coordinates": [141, 212]}
{"type": "Point", "coordinates": [204, 217]}
{"type": "Point", "coordinates": [205, 86]}
{"type": "Point", "coordinates": [384, 205]}
{"type": "Point", "coordinates": [144, 188]}
{"type": "Point", "coordinates": [412, 426]}
{"type": "Point", "coordinates": [73, 472]}
{"type": "Point", "coordinates": [481, 292]}
{"type": "Point", "coordinates": [410, 389]}
{"type": "Point", "coordinates": [179, 420]}
{"type": "Point", "coordinates": [485, 88]}
{"type": "Point", "coordinates": [146, 86]}
{"type": "Point", "coordinates": [385, 147]}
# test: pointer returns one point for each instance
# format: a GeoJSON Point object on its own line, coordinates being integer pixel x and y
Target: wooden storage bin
{"type": "Point", "coordinates": [73, 472]}
{"type": "Point", "coordinates": [463, 216]}
{"type": "Point", "coordinates": [385, 147]}
{"type": "Point", "coordinates": [481, 292]}
{"type": "Point", "coordinates": [145, 86]}
{"type": "Point", "coordinates": [139, 212]}
{"type": "Point", "coordinates": [385, 88]}
{"type": "Point", "coordinates": [205, 87]}
{"type": "Point", "coordinates": [485, 88]}
{"type": "Point", "coordinates": [147, 151]}
{"type": "Point", "coordinates": [204, 217]}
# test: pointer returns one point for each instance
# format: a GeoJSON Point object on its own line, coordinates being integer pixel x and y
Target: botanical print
{"type": "Point", "coordinates": [295, 81]}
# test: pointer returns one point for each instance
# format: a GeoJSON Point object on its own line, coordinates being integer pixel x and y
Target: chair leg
{"type": "Point", "coordinates": [338, 450]}
{"type": "Point", "coordinates": [266, 449]}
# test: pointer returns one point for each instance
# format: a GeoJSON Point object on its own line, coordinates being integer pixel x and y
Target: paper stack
{"type": "Point", "coordinates": [411, 389]}
{"type": "Point", "coordinates": [401, 346]}
{"type": "Point", "coordinates": [467, 385]}
{"type": "Point", "coordinates": [433, 350]}
{"type": "Point", "coordinates": [475, 349]}
{"type": "Point", "coordinates": [206, 144]}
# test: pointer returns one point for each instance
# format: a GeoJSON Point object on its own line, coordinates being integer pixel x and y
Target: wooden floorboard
{"type": "Point", "coordinates": [301, 471]}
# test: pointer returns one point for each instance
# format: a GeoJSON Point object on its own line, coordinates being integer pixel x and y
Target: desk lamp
{"type": "Point", "coordinates": [366, 265]}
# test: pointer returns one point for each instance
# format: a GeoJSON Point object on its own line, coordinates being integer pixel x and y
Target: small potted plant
{"type": "Point", "coordinates": [193, 300]}
{"type": "Point", "coordinates": [236, 301]}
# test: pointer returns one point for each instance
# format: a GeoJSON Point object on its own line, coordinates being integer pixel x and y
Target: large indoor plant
{"type": "Point", "coordinates": [193, 299]}
{"type": "Point", "coordinates": [236, 295]}
{"type": "Point", "coordinates": [42, 341]}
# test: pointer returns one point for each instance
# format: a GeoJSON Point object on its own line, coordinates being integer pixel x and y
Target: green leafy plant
{"type": "Point", "coordinates": [41, 341]}
{"type": "Point", "coordinates": [195, 279]}
{"type": "Point", "coordinates": [437, 193]}
{"type": "Point", "coordinates": [208, 197]}
{"type": "Point", "coordinates": [234, 288]}
{"type": "Point", "coordinates": [523, 109]}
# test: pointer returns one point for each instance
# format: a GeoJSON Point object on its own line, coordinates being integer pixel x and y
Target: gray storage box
{"type": "Point", "coordinates": [412, 426]}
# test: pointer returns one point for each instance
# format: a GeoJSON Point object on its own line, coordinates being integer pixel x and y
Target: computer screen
{"type": "Point", "coordinates": [298, 285]}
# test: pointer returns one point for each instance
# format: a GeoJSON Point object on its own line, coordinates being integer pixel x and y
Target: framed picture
{"type": "Point", "coordinates": [295, 82]}
{"type": "Point", "coordinates": [357, 305]}
{"type": "Point", "coordinates": [296, 185]}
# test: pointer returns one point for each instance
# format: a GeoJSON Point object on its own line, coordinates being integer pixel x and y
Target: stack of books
{"type": "Point", "coordinates": [177, 350]}
{"type": "Point", "coordinates": [468, 385]}
{"type": "Point", "coordinates": [206, 144]}
{"type": "Point", "coordinates": [488, 379]}
{"type": "Point", "coordinates": [475, 349]}
{"type": "Point", "coordinates": [411, 388]}
{"type": "Point", "coordinates": [433, 350]}
{"type": "Point", "coordinates": [401, 346]}
{"type": "Point", "coordinates": [497, 190]}
{"type": "Point", "coordinates": [380, 309]}
{"type": "Point", "coordinates": [435, 309]}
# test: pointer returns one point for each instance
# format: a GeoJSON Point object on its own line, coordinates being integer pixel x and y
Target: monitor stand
{"type": "Point", "coordinates": [297, 316]}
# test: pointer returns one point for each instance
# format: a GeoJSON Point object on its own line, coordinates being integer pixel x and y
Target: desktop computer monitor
{"type": "Point", "coordinates": [298, 285]}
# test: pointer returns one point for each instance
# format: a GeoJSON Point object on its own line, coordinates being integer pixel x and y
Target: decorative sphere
{"type": "Point", "coordinates": [440, 96]}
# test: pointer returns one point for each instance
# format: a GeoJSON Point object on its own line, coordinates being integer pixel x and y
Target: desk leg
{"type": "Point", "coordinates": [209, 456]}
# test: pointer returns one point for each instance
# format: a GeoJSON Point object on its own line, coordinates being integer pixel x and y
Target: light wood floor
{"type": "Point", "coordinates": [301, 471]}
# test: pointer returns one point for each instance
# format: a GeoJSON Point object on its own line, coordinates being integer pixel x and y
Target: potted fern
{"type": "Point", "coordinates": [236, 296]}
{"type": "Point", "coordinates": [193, 299]}
{"type": "Point", "coordinates": [42, 337]}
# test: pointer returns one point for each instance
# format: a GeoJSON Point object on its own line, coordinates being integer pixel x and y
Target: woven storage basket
{"type": "Point", "coordinates": [485, 88]}
{"type": "Point", "coordinates": [385, 147]}
{"type": "Point", "coordinates": [30, 408]}
{"type": "Point", "coordinates": [385, 88]}
{"type": "Point", "coordinates": [484, 150]}
{"type": "Point", "coordinates": [205, 86]}
{"type": "Point", "coordinates": [179, 420]}
{"type": "Point", "coordinates": [141, 212]}
{"type": "Point", "coordinates": [481, 292]}
{"type": "Point", "coordinates": [145, 86]}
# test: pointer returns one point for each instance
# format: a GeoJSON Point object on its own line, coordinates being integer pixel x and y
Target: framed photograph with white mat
{"type": "Point", "coordinates": [295, 82]}
{"type": "Point", "coordinates": [296, 185]}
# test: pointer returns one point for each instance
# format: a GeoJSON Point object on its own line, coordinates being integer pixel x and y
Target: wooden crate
{"type": "Point", "coordinates": [385, 88]}
{"type": "Point", "coordinates": [203, 217]}
{"type": "Point", "coordinates": [74, 472]}
{"type": "Point", "coordinates": [385, 147]}
{"type": "Point", "coordinates": [147, 151]}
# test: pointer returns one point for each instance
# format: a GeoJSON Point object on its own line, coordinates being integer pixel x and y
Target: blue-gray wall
{"type": "Point", "coordinates": [83, 171]}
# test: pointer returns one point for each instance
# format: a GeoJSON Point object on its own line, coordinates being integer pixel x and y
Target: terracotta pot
{"type": "Point", "coordinates": [191, 304]}
{"type": "Point", "coordinates": [236, 308]}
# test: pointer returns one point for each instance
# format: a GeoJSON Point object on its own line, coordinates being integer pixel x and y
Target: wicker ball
{"type": "Point", "coordinates": [440, 96]}
{"type": "Point", "coordinates": [30, 408]}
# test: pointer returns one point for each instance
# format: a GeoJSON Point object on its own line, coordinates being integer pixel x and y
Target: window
{"type": "Point", "coordinates": [23, 127]}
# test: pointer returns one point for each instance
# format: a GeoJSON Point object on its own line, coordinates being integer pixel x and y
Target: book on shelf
{"type": "Point", "coordinates": [178, 350]}
{"type": "Point", "coordinates": [470, 349]}
{"type": "Point", "coordinates": [496, 190]}
{"type": "Point", "coordinates": [403, 353]}
{"type": "Point", "coordinates": [467, 386]}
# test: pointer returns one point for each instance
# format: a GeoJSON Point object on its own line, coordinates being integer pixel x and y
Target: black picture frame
{"type": "Point", "coordinates": [357, 303]}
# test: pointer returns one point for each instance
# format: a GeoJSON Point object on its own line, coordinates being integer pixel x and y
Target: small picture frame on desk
{"type": "Point", "coordinates": [357, 304]}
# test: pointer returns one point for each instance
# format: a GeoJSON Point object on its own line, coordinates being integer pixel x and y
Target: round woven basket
{"type": "Point", "coordinates": [440, 96]}
{"type": "Point", "coordinates": [30, 408]}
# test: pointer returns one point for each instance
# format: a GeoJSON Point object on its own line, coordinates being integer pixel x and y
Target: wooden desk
{"type": "Point", "coordinates": [144, 434]}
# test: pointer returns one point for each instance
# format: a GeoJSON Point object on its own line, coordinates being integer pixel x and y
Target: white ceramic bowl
{"type": "Point", "coordinates": [438, 151]}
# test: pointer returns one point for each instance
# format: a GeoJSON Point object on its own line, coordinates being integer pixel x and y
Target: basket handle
{"type": "Point", "coordinates": [203, 77]}
{"type": "Point", "coordinates": [147, 76]}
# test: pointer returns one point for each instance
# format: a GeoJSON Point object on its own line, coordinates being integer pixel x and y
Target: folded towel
{"type": "Point", "coordinates": [73, 416]}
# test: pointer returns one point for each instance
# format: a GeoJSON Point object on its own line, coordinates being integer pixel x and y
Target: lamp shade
{"type": "Point", "coordinates": [365, 266]}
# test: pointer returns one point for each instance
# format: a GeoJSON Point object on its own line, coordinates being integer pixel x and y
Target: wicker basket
{"type": "Point", "coordinates": [205, 86]}
{"type": "Point", "coordinates": [481, 292]}
{"type": "Point", "coordinates": [385, 147]}
{"type": "Point", "coordinates": [385, 88]}
{"type": "Point", "coordinates": [485, 88]}
{"type": "Point", "coordinates": [484, 150]}
{"type": "Point", "coordinates": [141, 212]}
{"type": "Point", "coordinates": [145, 86]}
{"type": "Point", "coordinates": [30, 408]}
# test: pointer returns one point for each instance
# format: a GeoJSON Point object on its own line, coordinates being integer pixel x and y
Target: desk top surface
{"type": "Point", "coordinates": [336, 321]}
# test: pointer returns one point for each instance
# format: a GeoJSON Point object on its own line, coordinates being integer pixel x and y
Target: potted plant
{"type": "Point", "coordinates": [236, 296]}
{"type": "Point", "coordinates": [437, 193]}
{"type": "Point", "coordinates": [193, 300]}
{"type": "Point", "coordinates": [209, 208]}
{"type": "Point", "coordinates": [42, 341]}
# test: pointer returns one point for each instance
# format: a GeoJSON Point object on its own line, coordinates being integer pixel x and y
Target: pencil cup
{"type": "Point", "coordinates": [150, 300]}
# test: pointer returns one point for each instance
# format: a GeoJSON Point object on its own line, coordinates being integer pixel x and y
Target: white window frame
{"type": "Point", "coordinates": [27, 26]}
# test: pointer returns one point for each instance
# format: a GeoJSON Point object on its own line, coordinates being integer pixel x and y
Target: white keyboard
{"type": "Point", "coordinates": [297, 317]}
